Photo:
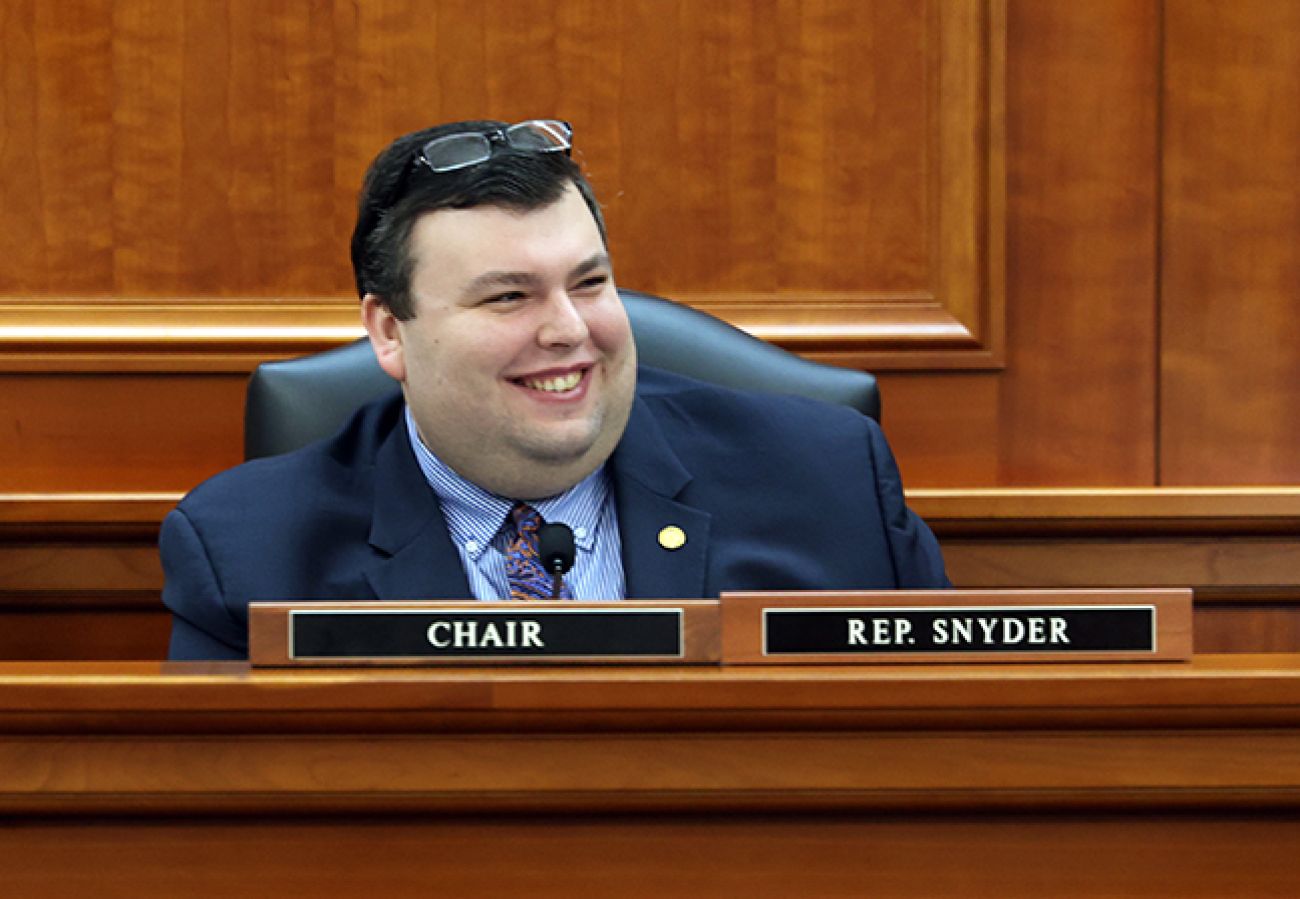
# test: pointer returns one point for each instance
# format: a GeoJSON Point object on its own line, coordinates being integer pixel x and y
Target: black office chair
{"type": "Point", "coordinates": [291, 403]}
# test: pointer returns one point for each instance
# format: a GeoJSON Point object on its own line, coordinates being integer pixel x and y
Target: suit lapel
{"type": "Point", "coordinates": [648, 478]}
{"type": "Point", "coordinates": [418, 560]}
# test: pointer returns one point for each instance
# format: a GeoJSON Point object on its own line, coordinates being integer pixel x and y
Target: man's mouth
{"type": "Point", "coordinates": [555, 384]}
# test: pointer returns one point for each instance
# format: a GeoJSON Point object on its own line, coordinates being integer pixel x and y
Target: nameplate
{"type": "Point", "coordinates": [440, 633]}
{"type": "Point", "coordinates": [956, 625]}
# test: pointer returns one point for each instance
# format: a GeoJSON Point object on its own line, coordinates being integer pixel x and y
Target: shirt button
{"type": "Point", "coordinates": [471, 546]}
{"type": "Point", "coordinates": [580, 533]}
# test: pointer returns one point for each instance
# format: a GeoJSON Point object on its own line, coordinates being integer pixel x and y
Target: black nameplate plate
{"type": "Point", "coordinates": [959, 629]}
{"type": "Point", "coordinates": [487, 634]}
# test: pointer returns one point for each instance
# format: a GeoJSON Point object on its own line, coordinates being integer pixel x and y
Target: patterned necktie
{"type": "Point", "coordinates": [524, 571]}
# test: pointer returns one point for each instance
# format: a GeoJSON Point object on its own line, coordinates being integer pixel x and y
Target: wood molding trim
{"type": "Point", "coordinates": [79, 516]}
{"type": "Point", "coordinates": [168, 336]}
{"type": "Point", "coordinates": [183, 336]}
{"type": "Point", "coordinates": [1266, 510]}
{"type": "Point", "coordinates": [1116, 510]}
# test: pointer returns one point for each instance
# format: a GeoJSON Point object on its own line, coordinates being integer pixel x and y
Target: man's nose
{"type": "Point", "coordinates": [563, 323]}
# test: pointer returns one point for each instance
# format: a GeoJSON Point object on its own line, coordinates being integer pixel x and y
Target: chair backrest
{"type": "Point", "coordinates": [291, 403]}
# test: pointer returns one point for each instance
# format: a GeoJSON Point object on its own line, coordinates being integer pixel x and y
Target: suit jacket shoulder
{"type": "Point", "coordinates": [324, 522]}
{"type": "Point", "coordinates": [787, 493]}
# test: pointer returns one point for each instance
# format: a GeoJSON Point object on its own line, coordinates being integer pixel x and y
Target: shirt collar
{"type": "Point", "coordinates": [475, 516]}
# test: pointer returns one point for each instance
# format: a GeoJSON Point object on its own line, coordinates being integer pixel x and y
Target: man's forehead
{"type": "Point", "coordinates": [474, 242]}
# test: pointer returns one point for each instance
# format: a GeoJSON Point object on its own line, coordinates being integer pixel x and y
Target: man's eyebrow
{"type": "Point", "coordinates": [500, 279]}
{"type": "Point", "coordinates": [599, 260]}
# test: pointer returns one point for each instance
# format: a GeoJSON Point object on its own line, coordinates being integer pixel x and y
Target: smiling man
{"type": "Point", "coordinates": [518, 363]}
{"type": "Point", "coordinates": [489, 297]}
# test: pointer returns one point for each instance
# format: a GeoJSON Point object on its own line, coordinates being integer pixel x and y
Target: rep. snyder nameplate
{"type": "Point", "coordinates": [1011, 625]}
{"type": "Point", "coordinates": [438, 633]}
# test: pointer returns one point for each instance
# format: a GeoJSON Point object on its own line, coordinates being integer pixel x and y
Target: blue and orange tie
{"type": "Point", "coordinates": [527, 577]}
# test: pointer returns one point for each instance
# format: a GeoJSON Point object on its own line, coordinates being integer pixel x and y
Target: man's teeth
{"type": "Point", "coordinates": [555, 385]}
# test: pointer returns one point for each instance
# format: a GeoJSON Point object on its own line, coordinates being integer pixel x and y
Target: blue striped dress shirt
{"type": "Point", "coordinates": [477, 521]}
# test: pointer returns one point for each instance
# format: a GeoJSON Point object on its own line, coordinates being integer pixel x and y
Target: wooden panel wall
{"type": "Point", "coordinates": [789, 164]}
{"type": "Point", "coordinates": [845, 177]}
{"type": "Point", "coordinates": [1076, 403]}
{"type": "Point", "coordinates": [748, 153]}
{"type": "Point", "coordinates": [828, 173]}
{"type": "Point", "coordinates": [1230, 261]}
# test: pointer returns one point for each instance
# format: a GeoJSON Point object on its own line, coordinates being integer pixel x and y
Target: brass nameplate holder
{"type": "Point", "coordinates": [788, 628]}
{"type": "Point", "coordinates": [477, 633]}
{"type": "Point", "coordinates": [855, 627]}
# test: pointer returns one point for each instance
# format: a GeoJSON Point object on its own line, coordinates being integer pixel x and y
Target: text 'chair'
{"type": "Point", "coordinates": [294, 402]}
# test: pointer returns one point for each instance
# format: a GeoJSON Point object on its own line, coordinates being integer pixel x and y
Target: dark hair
{"type": "Point", "coordinates": [397, 191]}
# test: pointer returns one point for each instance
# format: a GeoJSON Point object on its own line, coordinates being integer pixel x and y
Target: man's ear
{"type": "Point", "coordinates": [385, 336]}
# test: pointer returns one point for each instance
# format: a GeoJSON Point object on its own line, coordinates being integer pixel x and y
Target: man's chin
{"type": "Point", "coordinates": [557, 451]}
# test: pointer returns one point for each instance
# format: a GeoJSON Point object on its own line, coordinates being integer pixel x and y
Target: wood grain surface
{"type": "Point", "coordinates": [975, 780]}
{"type": "Point", "coordinates": [1230, 269]}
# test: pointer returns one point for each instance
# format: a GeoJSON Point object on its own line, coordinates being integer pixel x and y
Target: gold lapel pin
{"type": "Point", "coordinates": [672, 537]}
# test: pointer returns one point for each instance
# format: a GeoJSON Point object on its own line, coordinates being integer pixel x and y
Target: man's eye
{"type": "Point", "coordinates": [512, 296]}
{"type": "Point", "coordinates": [593, 283]}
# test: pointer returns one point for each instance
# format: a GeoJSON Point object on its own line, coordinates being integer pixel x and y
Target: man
{"type": "Point", "coordinates": [488, 295]}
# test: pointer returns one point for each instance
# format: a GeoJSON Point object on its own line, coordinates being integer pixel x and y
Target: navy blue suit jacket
{"type": "Point", "coordinates": [773, 493]}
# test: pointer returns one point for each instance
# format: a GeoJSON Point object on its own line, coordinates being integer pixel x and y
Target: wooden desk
{"type": "Point", "coordinates": [174, 780]}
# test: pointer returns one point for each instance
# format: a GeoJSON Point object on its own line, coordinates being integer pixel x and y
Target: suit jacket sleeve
{"type": "Point", "coordinates": [917, 559]}
{"type": "Point", "coordinates": [202, 625]}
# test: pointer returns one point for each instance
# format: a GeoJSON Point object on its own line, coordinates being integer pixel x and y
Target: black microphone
{"type": "Point", "coordinates": [555, 548]}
